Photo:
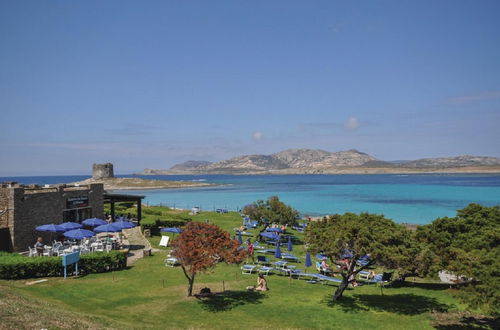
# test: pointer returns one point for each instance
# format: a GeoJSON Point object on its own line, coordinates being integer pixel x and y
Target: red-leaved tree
{"type": "Point", "coordinates": [201, 246]}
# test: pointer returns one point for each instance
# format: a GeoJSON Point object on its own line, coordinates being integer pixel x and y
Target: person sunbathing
{"type": "Point", "coordinates": [324, 267]}
{"type": "Point", "coordinates": [261, 283]}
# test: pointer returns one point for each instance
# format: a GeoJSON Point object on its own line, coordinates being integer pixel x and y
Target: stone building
{"type": "Point", "coordinates": [102, 171]}
{"type": "Point", "coordinates": [22, 208]}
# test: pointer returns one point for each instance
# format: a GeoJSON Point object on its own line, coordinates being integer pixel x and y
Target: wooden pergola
{"type": "Point", "coordinates": [120, 198]}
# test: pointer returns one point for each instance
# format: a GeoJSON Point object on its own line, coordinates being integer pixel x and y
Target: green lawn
{"type": "Point", "coordinates": [150, 295]}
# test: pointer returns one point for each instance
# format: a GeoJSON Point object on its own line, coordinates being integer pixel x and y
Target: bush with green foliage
{"type": "Point", "coordinates": [273, 210]}
{"type": "Point", "coordinates": [151, 211]}
{"type": "Point", "coordinates": [386, 243]}
{"type": "Point", "coordinates": [155, 227]}
{"type": "Point", "coordinates": [467, 245]}
{"type": "Point", "coordinates": [15, 266]}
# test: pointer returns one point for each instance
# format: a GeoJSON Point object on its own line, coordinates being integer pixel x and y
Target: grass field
{"type": "Point", "coordinates": [150, 295]}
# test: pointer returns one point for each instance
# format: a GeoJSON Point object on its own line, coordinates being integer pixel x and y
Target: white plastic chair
{"type": "Point", "coordinates": [32, 251]}
{"type": "Point", "coordinates": [109, 247]}
{"type": "Point", "coordinates": [47, 251]}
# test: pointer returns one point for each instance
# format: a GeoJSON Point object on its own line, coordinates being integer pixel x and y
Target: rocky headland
{"type": "Point", "coordinates": [311, 161]}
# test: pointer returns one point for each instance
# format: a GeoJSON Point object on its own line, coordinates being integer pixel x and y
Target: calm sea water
{"type": "Point", "coordinates": [403, 198]}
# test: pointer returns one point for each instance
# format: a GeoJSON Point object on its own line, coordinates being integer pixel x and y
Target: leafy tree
{"type": "Point", "coordinates": [467, 245]}
{"type": "Point", "coordinates": [201, 246]}
{"type": "Point", "coordinates": [273, 210]}
{"type": "Point", "coordinates": [387, 243]}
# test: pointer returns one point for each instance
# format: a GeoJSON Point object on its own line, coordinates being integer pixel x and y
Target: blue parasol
{"type": "Point", "coordinates": [79, 233]}
{"type": "Point", "coordinates": [109, 228]}
{"type": "Point", "coordinates": [290, 248]}
{"type": "Point", "coordinates": [51, 228]}
{"type": "Point", "coordinates": [70, 225]}
{"type": "Point", "coordinates": [277, 253]}
{"type": "Point", "coordinates": [308, 260]}
{"type": "Point", "coordinates": [174, 230]}
{"type": "Point", "coordinates": [94, 222]}
{"type": "Point", "coordinates": [123, 224]}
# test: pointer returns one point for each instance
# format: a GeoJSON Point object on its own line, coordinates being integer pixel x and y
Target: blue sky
{"type": "Point", "coordinates": [154, 83]}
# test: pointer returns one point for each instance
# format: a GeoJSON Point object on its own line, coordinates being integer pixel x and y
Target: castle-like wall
{"type": "Point", "coordinates": [102, 171]}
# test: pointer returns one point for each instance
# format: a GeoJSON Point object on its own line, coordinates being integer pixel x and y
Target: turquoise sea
{"type": "Point", "coordinates": [403, 198]}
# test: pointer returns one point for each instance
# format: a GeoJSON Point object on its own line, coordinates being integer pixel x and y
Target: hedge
{"type": "Point", "coordinates": [15, 266]}
{"type": "Point", "coordinates": [155, 227]}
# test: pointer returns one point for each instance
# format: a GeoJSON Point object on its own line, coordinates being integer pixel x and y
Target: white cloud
{"type": "Point", "coordinates": [257, 136]}
{"type": "Point", "coordinates": [352, 123]}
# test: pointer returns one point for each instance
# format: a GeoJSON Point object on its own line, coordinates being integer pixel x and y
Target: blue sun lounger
{"type": "Point", "coordinates": [265, 270]}
{"type": "Point", "coordinates": [248, 269]}
{"type": "Point", "coordinates": [268, 251]}
{"type": "Point", "coordinates": [324, 279]}
{"type": "Point", "coordinates": [289, 257]}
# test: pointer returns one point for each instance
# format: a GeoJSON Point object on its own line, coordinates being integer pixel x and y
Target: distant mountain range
{"type": "Point", "coordinates": [311, 161]}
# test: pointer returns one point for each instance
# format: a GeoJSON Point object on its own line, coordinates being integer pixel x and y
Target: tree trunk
{"type": "Point", "coordinates": [340, 289]}
{"type": "Point", "coordinates": [190, 286]}
{"type": "Point", "coordinates": [190, 280]}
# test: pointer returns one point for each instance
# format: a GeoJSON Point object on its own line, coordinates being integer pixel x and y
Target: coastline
{"type": "Point", "coordinates": [143, 184]}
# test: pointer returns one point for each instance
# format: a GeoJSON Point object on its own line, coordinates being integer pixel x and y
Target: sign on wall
{"type": "Point", "coordinates": [77, 202]}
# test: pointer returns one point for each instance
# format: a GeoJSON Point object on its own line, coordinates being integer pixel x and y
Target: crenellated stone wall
{"type": "Point", "coordinates": [102, 171]}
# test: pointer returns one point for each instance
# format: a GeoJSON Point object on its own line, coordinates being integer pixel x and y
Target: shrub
{"type": "Point", "coordinates": [151, 211]}
{"type": "Point", "coordinates": [15, 266]}
{"type": "Point", "coordinates": [155, 227]}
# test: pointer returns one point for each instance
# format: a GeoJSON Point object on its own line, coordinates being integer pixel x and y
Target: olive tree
{"type": "Point", "coordinates": [388, 244]}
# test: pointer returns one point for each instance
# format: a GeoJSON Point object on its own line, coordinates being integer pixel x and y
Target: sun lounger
{"type": "Point", "coordinates": [257, 245]}
{"type": "Point", "coordinates": [265, 270]}
{"type": "Point", "coordinates": [171, 262]}
{"type": "Point", "coordinates": [325, 279]}
{"type": "Point", "coordinates": [248, 269]}
{"type": "Point", "coordinates": [280, 264]}
{"type": "Point", "coordinates": [268, 251]}
{"type": "Point", "coordinates": [364, 275]}
{"type": "Point", "coordinates": [289, 257]}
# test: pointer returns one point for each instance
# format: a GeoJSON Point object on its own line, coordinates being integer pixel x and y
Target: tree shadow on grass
{"type": "Point", "coordinates": [427, 286]}
{"type": "Point", "coordinates": [227, 300]}
{"type": "Point", "coordinates": [404, 304]}
{"type": "Point", "coordinates": [456, 321]}
{"type": "Point", "coordinates": [347, 304]}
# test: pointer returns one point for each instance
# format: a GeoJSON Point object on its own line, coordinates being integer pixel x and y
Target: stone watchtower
{"type": "Point", "coordinates": [102, 171]}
